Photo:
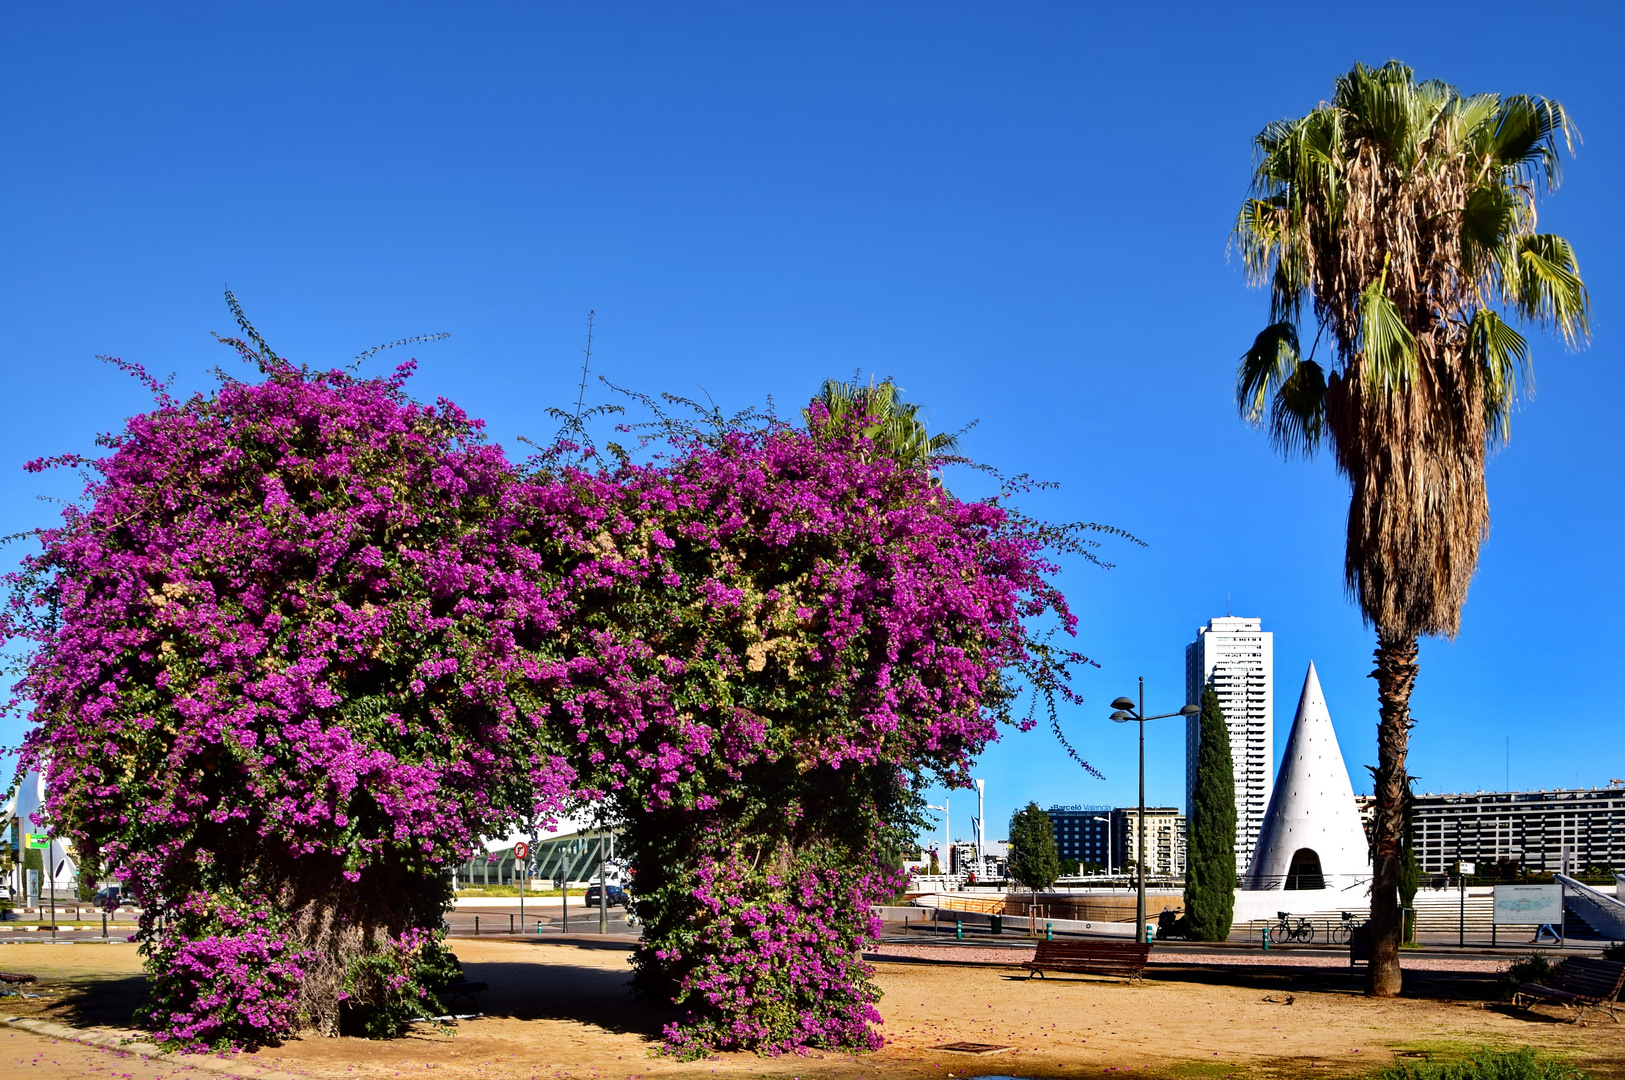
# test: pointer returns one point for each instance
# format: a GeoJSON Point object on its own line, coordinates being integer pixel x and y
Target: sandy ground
{"type": "Point", "coordinates": [559, 1011]}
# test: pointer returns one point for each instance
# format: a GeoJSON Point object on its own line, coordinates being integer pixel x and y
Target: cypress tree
{"type": "Point", "coordinates": [1034, 862]}
{"type": "Point", "coordinates": [1210, 871]}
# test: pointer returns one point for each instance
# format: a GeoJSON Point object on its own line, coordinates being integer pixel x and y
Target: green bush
{"type": "Point", "coordinates": [1521, 1064]}
{"type": "Point", "coordinates": [1537, 967]}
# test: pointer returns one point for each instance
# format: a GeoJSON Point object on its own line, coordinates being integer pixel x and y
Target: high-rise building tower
{"type": "Point", "coordinates": [1236, 657]}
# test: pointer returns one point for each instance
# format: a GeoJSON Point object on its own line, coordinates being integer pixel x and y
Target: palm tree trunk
{"type": "Point", "coordinates": [1395, 675]}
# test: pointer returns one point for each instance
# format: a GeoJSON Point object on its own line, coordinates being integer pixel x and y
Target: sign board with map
{"type": "Point", "coordinates": [1528, 904]}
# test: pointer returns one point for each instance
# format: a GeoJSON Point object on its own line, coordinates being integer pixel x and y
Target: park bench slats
{"type": "Point", "coordinates": [1121, 959]}
{"type": "Point", "coordinates": [1580, 983]}
{"type": "Point", "coordinates": [449, 993]}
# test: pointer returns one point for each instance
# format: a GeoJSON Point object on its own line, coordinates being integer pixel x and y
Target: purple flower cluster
{"type": "Point", "coordinates": [306, 640]}
{"type": "Point", "coordinates": [221, 977]}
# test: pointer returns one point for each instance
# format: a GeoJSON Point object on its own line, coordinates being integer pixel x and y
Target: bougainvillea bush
{"type": "Point", "coordinates": [773, 638]}
{"type": "Point", "coordinates": [305, 640]}
{"type": "Point", "coordinates": [247, 697]}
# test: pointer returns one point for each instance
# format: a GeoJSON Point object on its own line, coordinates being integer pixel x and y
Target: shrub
{"type": "Point", "coordinates": [1537, 967]}
{"type": "Point", "coordinates": [1520, 1064]}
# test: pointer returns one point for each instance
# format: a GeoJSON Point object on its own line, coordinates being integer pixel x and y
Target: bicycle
{"type": "Point", "coordinates": [1286, 930]}
{"type": "Point", "coordinates": [1341, 933]}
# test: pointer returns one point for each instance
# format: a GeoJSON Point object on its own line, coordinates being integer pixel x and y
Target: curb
{"type": "Point", "coordinates": [103, 1039]}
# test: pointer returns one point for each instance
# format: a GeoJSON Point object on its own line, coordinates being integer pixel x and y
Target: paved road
{"type": "Point", "coordinates": [549, 920]}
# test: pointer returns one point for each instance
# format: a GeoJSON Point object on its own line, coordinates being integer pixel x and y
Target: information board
{"type": "Point", "coordinates": [1528, 904]}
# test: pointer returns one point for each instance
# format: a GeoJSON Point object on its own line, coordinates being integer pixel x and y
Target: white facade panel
{"type": "Point", "coordinates": [1236, 656]}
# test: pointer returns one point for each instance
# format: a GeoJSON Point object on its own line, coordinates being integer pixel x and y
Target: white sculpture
{"type": "Point", "coordinates": [1312, 837]}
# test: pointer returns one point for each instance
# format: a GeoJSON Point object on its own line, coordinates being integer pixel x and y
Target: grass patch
{"type": "Point", "coordinates": [1520, 1064]}
{"type": "Point", "coordinates": [1202, 1070]}
{"type": "Point", "coordinates": [512, 890]}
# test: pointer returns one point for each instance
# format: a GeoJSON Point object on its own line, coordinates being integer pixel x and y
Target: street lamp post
{"type": "Point", "coordinates": [1108, 823]}
{"type": "Point", "coordinates": [1126, 711]}
{"type": "Point", "coordinates": [947, 835]}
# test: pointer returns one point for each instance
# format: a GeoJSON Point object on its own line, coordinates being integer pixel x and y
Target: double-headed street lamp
{"type": "Point", "coordinates": [1127, 711]}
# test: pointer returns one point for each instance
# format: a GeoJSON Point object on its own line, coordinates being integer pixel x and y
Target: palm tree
{"type": "Point", "coordinates": [1405, 213]}
{"type": "Point", "coordinates": [893, 427]}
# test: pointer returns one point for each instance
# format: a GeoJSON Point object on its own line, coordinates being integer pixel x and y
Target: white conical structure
{"type": "Point", "coordinates": [1311, 837]}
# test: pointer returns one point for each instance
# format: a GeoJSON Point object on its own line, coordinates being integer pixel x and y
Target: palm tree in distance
{"type": "Point", "coordinates": [1404, 212]}
{"type": "Point", "coordinates": [894, 427]}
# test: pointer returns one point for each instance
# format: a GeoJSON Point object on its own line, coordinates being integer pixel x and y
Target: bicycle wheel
{"type": "Point", "coordinates": [1305, 932]}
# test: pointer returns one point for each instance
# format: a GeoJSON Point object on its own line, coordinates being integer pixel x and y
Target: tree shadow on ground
{"type": "Point", "coordinates": [588, 995]}
{"type": "Point", "coordinates": [85, 1002]}
{"type": "Point", "coordinates": [1436, 986]}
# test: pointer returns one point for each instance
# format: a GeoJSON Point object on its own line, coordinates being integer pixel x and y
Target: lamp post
{"type": "Point", "coordinates": [1126, 711]}
{"type": "Point", "coordinates": [947, 836]}
{"type": "Point", "coordinates": [1108, 823]}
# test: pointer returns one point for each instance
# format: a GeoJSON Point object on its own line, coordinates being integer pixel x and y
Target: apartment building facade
{"type": "Point", "coordinates": [1236, 656]}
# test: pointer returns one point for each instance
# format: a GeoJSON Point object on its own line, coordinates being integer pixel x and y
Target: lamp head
{"type": "Point", "coordinates": [1123, 703]}
{"type": "Point", "coordinates": [1189, 710]}
{"type": "Point", "coordinates": [1121, 717]}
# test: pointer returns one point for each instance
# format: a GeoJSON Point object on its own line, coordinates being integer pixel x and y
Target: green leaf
{"type": "Point", "coordinates": [1264, 367]}
{"type": "Point", "coordinates": [1388, 347]}
{"type": "Point", "coordinates": [1548, 286]}
{"type": "Point", "coordinates": [1298, 416]}
{"type": "Point", "coordinates": [1501, 356]}
{"type": "Point", "coordinates": [1526, 134]}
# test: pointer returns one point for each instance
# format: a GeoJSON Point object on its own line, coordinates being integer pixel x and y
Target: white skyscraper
{"type": "Point", "coordinates": [1236, 657]}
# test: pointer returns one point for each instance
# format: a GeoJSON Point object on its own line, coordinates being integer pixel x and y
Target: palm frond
{"type": "Point", "coordinates": [1526, 133]}
{"type": "Point", "coordinates": [1386, 345]}
{"type": "Point", "coordinates": [1489, 220]}
{"type": "Point", "coordinates": [1501, 356]}
{"type": "Point", "coordinates": [1270, 361]}
{"type": "Point", "coordinates": [1298, 414]}
{"type": "Point", "coordinates": [1546, 287]}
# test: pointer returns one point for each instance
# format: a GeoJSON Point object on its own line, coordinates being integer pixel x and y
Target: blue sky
{"type": "Point", "coordinates": [1019, 210]}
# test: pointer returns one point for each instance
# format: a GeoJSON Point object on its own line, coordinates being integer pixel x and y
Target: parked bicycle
{"type": "Point", "coordinates": [1287, 930]}
{"type": "Point", "coordinates": [1341, 933]}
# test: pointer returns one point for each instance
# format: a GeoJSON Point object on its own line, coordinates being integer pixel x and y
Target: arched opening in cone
{"type": "Point", "coordinates": [1304, 873]}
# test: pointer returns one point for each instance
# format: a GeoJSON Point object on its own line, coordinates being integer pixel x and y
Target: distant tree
{"type": "Point", "coordinates": [1071, 867]}
{"type": "Point", "coordinates": [1033, 859]}
{"type": "Point", "coordinates": [1210, 876]}
{"type": "Point", "coordinates": [936, 867]}
{"type": "Point", "coordinates": [1410, 872]}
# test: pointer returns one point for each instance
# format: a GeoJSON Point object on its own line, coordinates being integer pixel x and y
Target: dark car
{"type": "Point", "coordinates": [617, 896]}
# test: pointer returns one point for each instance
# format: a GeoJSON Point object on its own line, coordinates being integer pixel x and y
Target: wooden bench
{"type": "Point", "coordinates": [1122, 959]}
{"type": "Point", "coordinates": [1580, 983]}
{"type": "Point", "coordinates": [449, 994]}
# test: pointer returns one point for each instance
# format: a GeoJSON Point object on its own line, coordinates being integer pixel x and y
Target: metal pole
{"type": "Point", "coordinates": [603, 889]}
{"type": "Point", "coordinates": [1139, 904]}
{"type": "Point", "coordinates": [1461, 885]}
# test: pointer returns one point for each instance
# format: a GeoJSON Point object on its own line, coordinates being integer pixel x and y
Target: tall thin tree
{"type": "Point", "coordinates": [1210, 872]}
{"type": "Point", "coordinates": [1404, 212]}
